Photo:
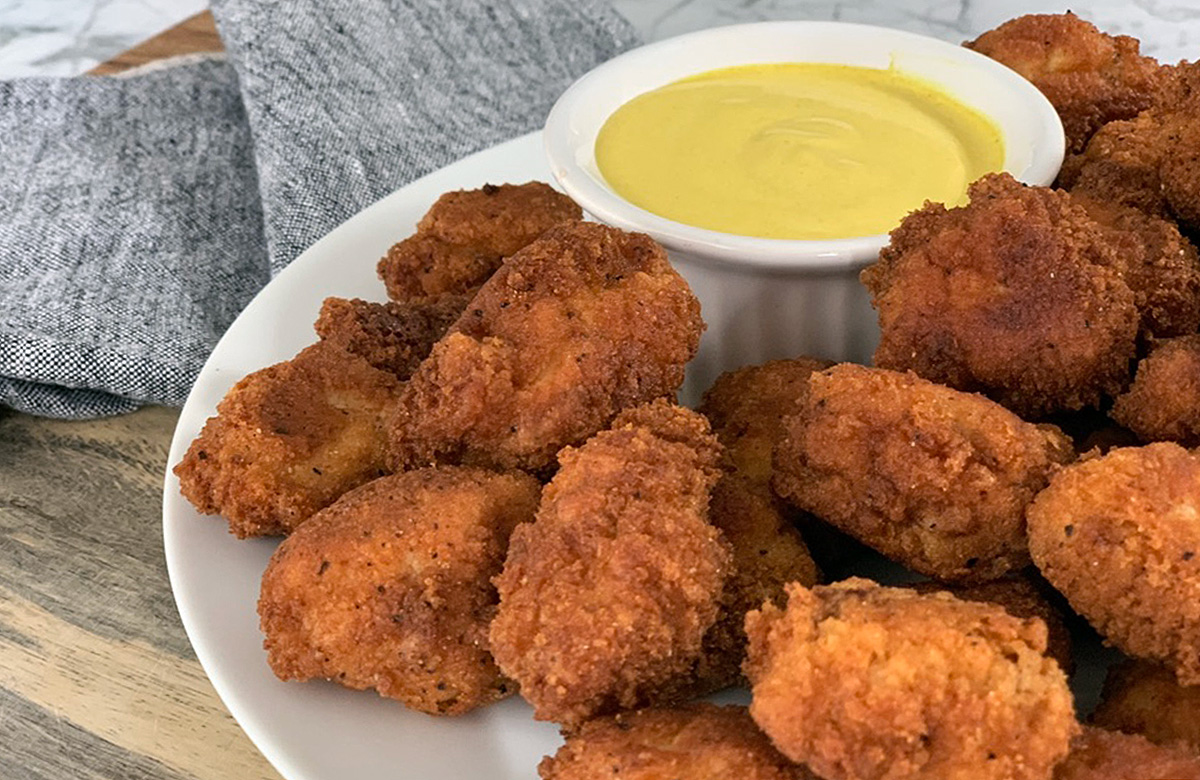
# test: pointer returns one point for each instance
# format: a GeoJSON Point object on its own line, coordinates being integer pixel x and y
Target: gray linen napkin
{"type": "Point", "coordinates": [139, 215]}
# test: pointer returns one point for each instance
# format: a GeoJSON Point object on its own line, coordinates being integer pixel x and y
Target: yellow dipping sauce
{"type": "Point", "coordinates": [795, 150]}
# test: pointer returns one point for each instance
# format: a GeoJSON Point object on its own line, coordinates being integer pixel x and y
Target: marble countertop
{"type": "Point", "coordinates": [67, 37]}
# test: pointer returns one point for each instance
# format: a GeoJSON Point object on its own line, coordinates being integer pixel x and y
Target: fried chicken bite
{"type": "Point", "coordinates": [582, 323]}
{"type": "Point", "coordinates": [768, 553]}
{"type": "Point", "coordinates": [390, 588]}
{"type": "Point", "coordinates": [1163, 403]}
{"type": "Point", "coordinates": [747, 407]}
{"type": "Point", "coordinates": [289, 439]}
{"type": "Point", "coordinates": [1149, 163]}
{"type": "Point", "coordinates": [605, 599]}
{"type": "Point", "coordinates": [393, 337]}
{"type": "Point", "coordinates": [1120, 164]}
{"type": "Point", "coordinates": [1022, 596]}
{"type": "Point", "coordinates": [698, 741]}
{"type": "Point", "coordinates": [933, 478]}
{"type": "Point", "coordinates": [1091, 78]}
{"type": "Point", "coordinates": [860, 682]}
{"type": "Point", "coordinates": [1119, 536]}
{"type": "Point", "coordinates": [1097, 754]}
{"type": "Point", "coordinates": [1158, 264]}
{"type": "Point", "coordinates": [466, 234]}
{"type": "Point", "coordinates": [1146, 699]}
{"type": "Point", "coordinates": [1017, 295]}
{"type": "Point", "coordinates": [1180, 167]}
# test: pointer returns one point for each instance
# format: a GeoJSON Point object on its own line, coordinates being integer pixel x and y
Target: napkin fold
{"type": "Point", "coordinates": [139, 215]}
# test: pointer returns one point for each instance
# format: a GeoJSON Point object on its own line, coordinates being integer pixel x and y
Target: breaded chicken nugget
{"type": "Point", "coordinates": [584, 322]}
{"type": "Point", "coordinates": [933, 478]}
{"type": "Point", "coordinates": [1146, 699]}
{"type": "Point", "coordinates": [1017, 295]}
{"type": "Point", "coordinates": [861, 682]}
{"type": "Point", "coordinates": [1163, 403]}
{"type": "Point", "coordinates": [1158, 264]}
{"type": "Point", "coordinates": [289, 439]}
{"type": "Point", "coordinates": [697, 741]}
{"type": "Point", "coordinates": [1021, 595]}
{"type": "Point", "coordinates": [390, 588]}
{"type": "Point", "coordinates": [1180, 167]}
{"type": "Point", "coordinates": [1149, 162]}
{"type": "Point", "coordinates": [747, 408]}
{"type": "Point", "coordinates": [393, 337]}
{"type": "Point", "coordinates": [1091, 78]}
{"type": "Point", "coordinates": [768, 553]}
{"type": "Point", "coordinates": [465, 235]}
{"type": "Point", "coordinates": [606, 598]}
{"type": "Point", "coordinates": [1119, 536]}
{"type": "Point", "coordinates": [1097, 754]}
{"type": "Point", "coordinates": [1121, 165]}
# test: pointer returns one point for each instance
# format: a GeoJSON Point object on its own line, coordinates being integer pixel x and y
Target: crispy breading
{"type": "Point", "coordinates": [1097, 754]}
{"type": "Point", "coordinates": [1091, 78]}
{"type": "Point", "coordinates": [1017, 295]}
{"type": "Point", "coordinates": [606, 597]}
{"type": "Point", "coordinates": [697, 741]}
{"type": "Point", "coordinates": [393, 337]}
{"type": "Point", "coordinates": [768, 553]}
{"type": "Point", "coordinates": [1163, 403]}
{"type": "Point", "coordinates": [747, 408]}
{"type": "Point", "coordinates": [582, 323]}
{"type": "Point", "coordinates": [390, 588]}
{"type": "Point", "coordinates": [1121, 165]}
{"type": "Point", "coordinates": [1022, 595]}
{"type": "Point", "coordinates": [289, 439]}
{"type": "Point", "coordinates": [1119, 536]}
{"type": "Point", "coordinates": [1144, 698]}
{"type": "Point", "coordinates": [861, 682]}
{"type": "Point", "coordinates": [1180, 167]}
{"type": "Point", "coordinates": [465, 236]}
{"type": "Point", "coordinates": [1158, 264]}
{"type": "Point", "coordinates": [934, 478]}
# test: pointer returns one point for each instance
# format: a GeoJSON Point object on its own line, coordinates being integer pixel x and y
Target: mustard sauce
{"type": "Point", "coordinates": [795, 150]}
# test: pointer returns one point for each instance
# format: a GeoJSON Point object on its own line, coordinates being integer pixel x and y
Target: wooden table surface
{"type": "Point", "coordinates": [97, 679]}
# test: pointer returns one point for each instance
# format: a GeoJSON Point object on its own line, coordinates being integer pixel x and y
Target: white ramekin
{"type": "Point", "coordinates": [769, 298]}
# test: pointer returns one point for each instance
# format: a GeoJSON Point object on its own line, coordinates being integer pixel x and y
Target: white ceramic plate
{"type": "Point", "coordinates": [317, 730]}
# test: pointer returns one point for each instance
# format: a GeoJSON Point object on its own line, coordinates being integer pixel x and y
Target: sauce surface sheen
{"type": "Point", "coordinates": [795, 150]}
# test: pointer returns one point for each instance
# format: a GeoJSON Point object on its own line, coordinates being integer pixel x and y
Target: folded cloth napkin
{"type": "Point", "coordinates": [139, 215]}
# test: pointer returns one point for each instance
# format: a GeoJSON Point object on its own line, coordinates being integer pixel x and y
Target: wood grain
{"type": "Point", "coordinates": [97, 678]}
{"type": "Point", "coordinates": [191, 36]}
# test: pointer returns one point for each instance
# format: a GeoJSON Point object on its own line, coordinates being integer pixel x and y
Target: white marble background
{"type": "Point", "coordinates": [67, 37]}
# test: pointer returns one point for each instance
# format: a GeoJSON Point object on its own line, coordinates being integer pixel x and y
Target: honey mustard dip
{"type": "Point", "coordinates": [795, 150]}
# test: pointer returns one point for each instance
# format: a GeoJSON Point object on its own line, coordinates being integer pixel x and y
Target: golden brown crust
{"type": "Point", "coordinates": [1163, 403]}
{"type": "Point", "coordinates": [747, 408]}
{"type": "Point", "coordinates": [466, 234]}
{"type": "Point", "coordinates": [582, 323]}
{"type": "Point", "coordinates": [1144, 698]}
{"type": "Point", "coordinates": [1017, 295]}
{"type": "Point", "coordinates": [1119, 537]}
{"type": "Point", "coordinates": [289, 439]}
{"type": "Point", "coordinates": [389, 588]}
{"type": "Point", "coordinates": [768, 553]}
{"type": "Point", "coordinates": [1180, 168]}
{"type": "Point", "coordinates": [936, 479]}
{"type": "Point", "coordinates": [393, 337]}
{"type": "Point", "coordinates": [861, 682]}
{"type": "Point", "coordinates": [605, 599]}
{"type": "Point", "coordinates": [1090, 78]}
{"type": "Point", "coordinates": [1021, 596]}
{"type": "Point", "coordinates": [1097, 754]}
{"type": "Point", "coordinates": [1158, 264]}
{"type": "Point", "coordinates": [693, 742]}
{"type": "Point", "coordinates": [1121, 165]}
